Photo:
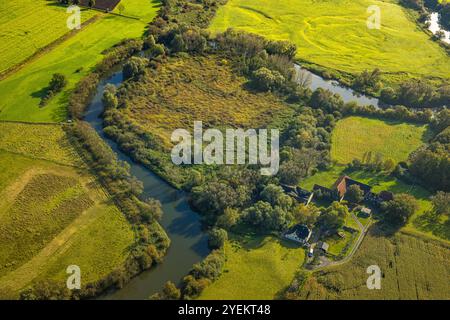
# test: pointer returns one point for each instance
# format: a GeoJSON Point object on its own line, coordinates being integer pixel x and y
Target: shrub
{"type": "Point", "coordinates": [217, 238]}
{"type": "Point", "coordinates": [134, 67]}
{"type": "Point", "coordinates": [266, 79]}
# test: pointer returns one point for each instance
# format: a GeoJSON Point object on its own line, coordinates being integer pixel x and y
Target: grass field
{"type": "Point", "coordinates": [412, 268]}
{"type": "Point", "coordinates": [21, 92]}
{"type": "Point", "coordinates": [53, 213]}
{"type": "Point", "coordinates": [333, 34]}
{"type": "Point", "coordinates": [256, 269]}
{"type": "Point", "coordinates": [354, 136]}
{"type": "Point", "coordinates": [47, 142]}
{"type": "Point", "coordinates": [29, 25]}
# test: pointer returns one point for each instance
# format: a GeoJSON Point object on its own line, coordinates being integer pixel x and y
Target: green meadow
{"type": "Point", "coordinates": [333, 34]}
{"type": "Point", "coordinates": [255, 268]}
{"type": "Point", "coordinates": [354, 136]}
{"type": "Point", "coordinates": [21, 92]}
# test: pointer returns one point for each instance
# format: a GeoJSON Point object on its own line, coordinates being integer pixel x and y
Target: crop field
{"type": "Point", "coordinates": [29, 25]}
{"type": "Point", "coordinates": [21, 92]}
{"type": "Point", "coordinates": [258, 268]}
{"type": "Point", "coordinates": [412, 268]}
{"type": "Point", "coordinates": [53, 213]}
{"type": "Point", "coordinates": [354, 136]}
{"type": "Point", "coordinates": [421, 221]}
{"type": "Point", "coordinates": [333, 34]}
{"type": "Point", "coordinates": [45, 205]}
{"type": "Point", "coordinates": [200, 88]}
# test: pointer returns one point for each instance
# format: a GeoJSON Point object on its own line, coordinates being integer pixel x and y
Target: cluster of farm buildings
{"type": "Point", "coordinates": [301, 233]}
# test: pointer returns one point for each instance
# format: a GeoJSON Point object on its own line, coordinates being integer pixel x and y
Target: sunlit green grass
{"type": "Point", "coordinates": [256, 269]}
{"type": "Point", "coordinates": [53, 216]}
{"type": "Point", "coordinates": [39, 141]}
{"type": "Point", "coordinates": [29, 25]}
{"type": "Point", "coordinates": [334, 34]}
{"type": "Point", "coordinates": [354, 136]}
{"type": "Point", "coordinates": [20, 93]}
{"type": "Point", "coordinates": [99, 247]}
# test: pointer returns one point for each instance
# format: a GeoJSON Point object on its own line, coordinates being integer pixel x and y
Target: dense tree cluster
{"type": "Point", "coordinates": [399, 113]}
{"type": "Point", "coordinates": [57, 83]}
{"type": "Point", "coordinates": [417, 93]}
{"type": "Point", "coordinates": [217, 238]}
{"type": "Point", "coordinates": [134, 67]}
{"type": "Point", "coordinates": [398, 211]}
{"type": "Point", "coordinates": [368, 80]}
{"type": "Point", "coordinates": [333, 218]}
{"type": "Point", "coordinates": [441, 203]}
{"type": "Point", "coordinates": [373, 161]}
{"type": "Point", "coordinates": [354, 194]}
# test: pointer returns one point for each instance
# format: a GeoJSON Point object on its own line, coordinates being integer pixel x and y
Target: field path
{"type": "Point", "coordinates": [347, 258]}
{"type": "Point", "coordinates": [10, 193]}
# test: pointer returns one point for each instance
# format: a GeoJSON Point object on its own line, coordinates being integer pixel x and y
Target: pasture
{"type": "Point", "coordinates": [354, 136]}
{"type": "Point", "coordinates": [199, 88]}
{"type": "Point", "coordinates": [255, 268]}
{"type": "Point", "coordinates": [53, 212]}
{"type": "Point", "coordinates": [30, 25]}
{"type": "Point", "coordinates": [334, 35]}
{"type": "Point", "coordinates": [412, 268]}
{"type": "Point", "coordinates": [21, 92]}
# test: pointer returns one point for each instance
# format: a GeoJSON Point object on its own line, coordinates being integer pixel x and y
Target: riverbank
{"type": "Point", "coordinates": [183, 226]}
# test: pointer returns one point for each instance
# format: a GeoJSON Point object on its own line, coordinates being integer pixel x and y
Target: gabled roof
{"type": "Point", "coordinates": [344, 182]}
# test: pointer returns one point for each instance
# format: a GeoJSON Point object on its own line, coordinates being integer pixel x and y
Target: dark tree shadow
{"type": "Point", "coordinates": [430, 222]}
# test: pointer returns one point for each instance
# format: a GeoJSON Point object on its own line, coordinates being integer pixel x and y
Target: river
{"type": "Point", "coordinates": [188, 242]}
{"type": "Point", "coordinates": [346, 93]}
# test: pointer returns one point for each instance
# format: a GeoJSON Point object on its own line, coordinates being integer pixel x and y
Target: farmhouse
{"type": "Point", "coordinates": [340, 187]}
{"type": "Point", "coordinates": [299, 194]}
{"type": "Point", "coordinates": [344, 182]}
{"type": "Point", "coordinates": [298, 233]}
